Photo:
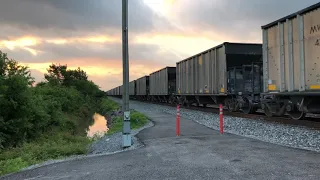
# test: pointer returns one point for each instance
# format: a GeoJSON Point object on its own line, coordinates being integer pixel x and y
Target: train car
{"type": "Point", "coordinates": [163, 85]}
{"type": "Point", "coordinates": [291, 52]}
{"type": "Point", "coordinates": [120, 91]}
{"type": "Point", "coordinates": [142, 88]}
{"type": "Point", "coordinates": [132, 89]}
{"type": "Point", "coordinates": [230, 73]}
{"type": "Point", "coordinates": [111, 92]}
{"type": "Point", "coordinates": [116, 92]}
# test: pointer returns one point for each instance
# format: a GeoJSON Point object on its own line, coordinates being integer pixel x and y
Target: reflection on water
{"type": "Point", "coordinates": [99, 126]}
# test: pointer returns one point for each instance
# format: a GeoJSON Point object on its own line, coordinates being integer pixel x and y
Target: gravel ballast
{"type": "Point", "coordinates": [277, 133]}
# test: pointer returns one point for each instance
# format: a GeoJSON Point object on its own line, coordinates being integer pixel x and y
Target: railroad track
{"type": "Point", "coordinates": [309, 122]}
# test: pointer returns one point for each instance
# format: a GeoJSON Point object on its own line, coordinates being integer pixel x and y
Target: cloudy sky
{"type": "Point", "coordinates": [87, 33]}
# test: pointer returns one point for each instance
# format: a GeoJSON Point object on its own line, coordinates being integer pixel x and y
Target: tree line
{"type": "Point", "coordinates": [64, 102]}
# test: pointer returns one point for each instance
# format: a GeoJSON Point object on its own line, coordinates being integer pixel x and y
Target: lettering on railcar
{"type": "Point", "coordinates": [315, 29]}
{"type": "Point", "coordinates": [317, 42]}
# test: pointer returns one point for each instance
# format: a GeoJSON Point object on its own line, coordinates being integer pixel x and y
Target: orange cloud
{"type": "Point", "coordinates": [94, 39]}
{"type": "Point", "coordinates": [57, 41]}
{"type": "Point", "coordinates": [25, 42]}
{"type": "Point", "coordinates": [188, 44]}
{"type": "Point", "coordinates": [106, 74]}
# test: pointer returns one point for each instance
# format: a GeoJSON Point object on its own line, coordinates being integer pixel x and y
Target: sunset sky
{"type": "Point", "coordinates": [87, 33]}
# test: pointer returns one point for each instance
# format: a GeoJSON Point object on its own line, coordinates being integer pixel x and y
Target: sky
{"type": "Point", "coordinates": [87, 33]}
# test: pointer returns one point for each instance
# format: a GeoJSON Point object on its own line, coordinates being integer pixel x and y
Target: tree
{"type": "Point", "coordinates": [56, 74]}
{"type": "Point", "coordinates": [74, 75]}
{"type": "Point", "coordinates": [10, 67]}
{"type": "Point", "coordinates": [60, 75]}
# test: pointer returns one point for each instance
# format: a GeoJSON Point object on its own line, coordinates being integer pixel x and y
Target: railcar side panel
{"type": "Point", "coordinates": [200, 73]}
{"type": "Point", "coordinates": [121, 90]}
{"type": "Point", "coordinates": [142, 86]}
{"type": "Point", "coordinates": [312, 49]}
{"type": "Point", "coordinates": [162, 82]}
{"type": "Point", "coordinates": [293, 52]}
{"type": "Point", "coordinates": [132, 88]}
{"type": "Point", "coordinates": [206, 72]}
{"type": "Point", "coordinates": [222, 86]}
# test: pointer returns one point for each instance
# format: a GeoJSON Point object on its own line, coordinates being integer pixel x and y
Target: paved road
{"type": "Point", "coordinates": [200, 153]}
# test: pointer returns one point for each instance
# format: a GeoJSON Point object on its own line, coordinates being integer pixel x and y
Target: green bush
{"type": "Point", "coordinates": [107, 105]}
{"type": "Point", "coordinates": [137, 120]}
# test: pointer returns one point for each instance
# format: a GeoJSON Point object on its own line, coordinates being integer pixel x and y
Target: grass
{"type": "Point", "coordinates": [137, 120]}
{"type": "Point", "coordinates": [53, 146]}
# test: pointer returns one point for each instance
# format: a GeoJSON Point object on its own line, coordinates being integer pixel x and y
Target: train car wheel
{"type": "Point", "coordinates": [267, 110]}
{"type": "Point", "coordinates": [297, 115]}
{"type": "Point", "coordinates": [247, 106]}
{"type": "Point", "coordinates": [231, 105]}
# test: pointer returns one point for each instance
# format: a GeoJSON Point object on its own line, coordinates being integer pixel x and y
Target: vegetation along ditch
{"type": "Point", "coordinates": [53, 119]}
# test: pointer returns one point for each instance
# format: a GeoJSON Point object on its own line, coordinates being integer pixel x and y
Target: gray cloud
{"type": "Point", "coordinates": [86, 50]}
{"type": "Point", "coordinates": [73, 17]}
{"type": "Point", "coordinates": [18, 54]}
{"type": "Point", "coordinates": [235, 17]}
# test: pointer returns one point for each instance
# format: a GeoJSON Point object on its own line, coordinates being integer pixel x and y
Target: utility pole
{"type": "Point", "coordinates": [126, 136]}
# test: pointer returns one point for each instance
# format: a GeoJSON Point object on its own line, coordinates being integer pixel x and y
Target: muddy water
{"type": "Point", "coordinates": [99, 126]}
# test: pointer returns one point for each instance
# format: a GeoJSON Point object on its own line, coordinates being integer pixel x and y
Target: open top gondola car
{"type": "Point", "coordinates": [229, 73]}
{"type": "Point", "coordinates": [163, 85]}
{"type": "Point", "coordinates": [291, 58]}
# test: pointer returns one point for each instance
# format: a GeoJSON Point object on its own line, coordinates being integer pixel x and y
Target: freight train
{"type": "Point", "coordinates": [281, 75]}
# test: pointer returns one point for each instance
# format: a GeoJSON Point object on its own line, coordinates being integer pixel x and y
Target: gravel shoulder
{"type": "Point", "coordinates": [277, 133]}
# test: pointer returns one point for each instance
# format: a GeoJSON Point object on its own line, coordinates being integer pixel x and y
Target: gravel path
{"type": "Point", "coordinates": [286, 135]}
